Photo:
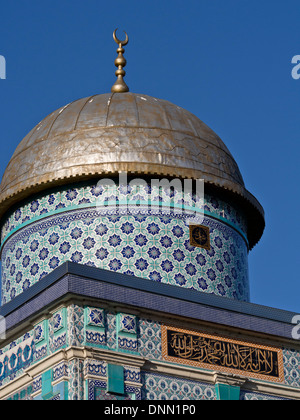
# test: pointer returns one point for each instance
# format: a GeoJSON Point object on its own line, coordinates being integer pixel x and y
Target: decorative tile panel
{"type": "Point", "coordinates": [150, 339]}
{"type": "Point", "coordinates": [16, 357]}
{"type": "Point", "coordinates": [58, 321]}
{"type": "Point", "coordinates": [256, 396]}
{"type": "Point", "coordinates": [85, 196]}
{"type": "Point", "coordinates": [132, 374]}
{"type": "Point", "coordinates": [291, 361]}
{"type": "Point", "coordinates": [76, 379]}
{"type": "Point", "coordinates": [127, 323]}
{"type": "Point", "coordinates": [96, 317]}
{"type": "Point", "coordinates": [161, 387]}
{"type": "Point", "coordinates": [37, 384]}
{"type": "Point", "coordinates": [58, 330]}
{"type": "Point", "coordinates": [40, 332]}
{"type": "Point", "coordinates": [60, 371]}
{"type": "Point", "coordinates": [111, 331]}
{"type": "Point", "coordinates": [126, 343]}
{"type": "Point", "coordinates": [127, 332]}
{"type": "Point", "coordinates": [41, 340]}
{"type": "Point", "coordinates": [148, 244]}
{"type": "Point", "coordinates": [95, 338]}
{"type": "Point", "coordinates": [95, 327]}
{"type": "Point", "coordinates": [35, 345]}
{"type": "Point", "coordinates": [97, 391]}
{"type": "Point", "coordinates": [95, 368]}
{"type": "Point", "coordinates": [75, 325]}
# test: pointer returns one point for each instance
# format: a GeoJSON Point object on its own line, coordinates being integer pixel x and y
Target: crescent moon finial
{"type": "Point", "coordinates": [118, 41]}
{"type": "Point", "coordinates": [120, 62]}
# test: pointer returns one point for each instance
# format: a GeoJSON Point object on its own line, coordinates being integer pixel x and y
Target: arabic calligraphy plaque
{"type": "Point", "coordinates": [199, 236]}
{"type": "Point", "coordinates": [222, 354]}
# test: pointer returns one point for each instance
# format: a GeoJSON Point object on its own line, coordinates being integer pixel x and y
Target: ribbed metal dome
{"type": "Point", "coordinates": [109, 133]}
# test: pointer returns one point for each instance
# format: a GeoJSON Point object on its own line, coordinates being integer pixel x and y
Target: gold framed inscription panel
{"type": "Point", "coordinates": [191, 347]}
{"type": "Point", "coordinates": [199, 236]}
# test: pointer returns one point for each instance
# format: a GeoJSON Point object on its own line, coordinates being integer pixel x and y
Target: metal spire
{"type": "Point", "coordinates": [120, 62]}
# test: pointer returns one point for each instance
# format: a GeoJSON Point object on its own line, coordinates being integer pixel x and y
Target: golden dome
{"type": "Point", "coordinates": [109, 133]}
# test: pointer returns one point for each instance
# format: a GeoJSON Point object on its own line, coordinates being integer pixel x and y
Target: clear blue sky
{"type": "Point", "coordinates": [226, 61]}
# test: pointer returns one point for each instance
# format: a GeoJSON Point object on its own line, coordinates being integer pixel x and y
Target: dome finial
{"type": "Point", "coordinates": [120, 62]}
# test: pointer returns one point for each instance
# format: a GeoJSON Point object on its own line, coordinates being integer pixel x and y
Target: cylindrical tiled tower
{"type": "Point", "coordinates": [55, 206]}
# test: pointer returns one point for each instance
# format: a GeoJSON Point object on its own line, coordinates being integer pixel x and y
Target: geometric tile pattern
{"type": "Point", "coordinates": [127, 323]}
{"type": "Point", "coordinates": [96, 317]}
{"type": "Point", "coordinates": [291, 362]}
{"type": "Point", "coordinates": [150, 339]}
{"type": "Point", "coordinates": [147, 244]}
{"type": "Point", "coordinates": [127, 332]}
{"type": "Point", "coordinates": [58, 330]}
{"type": "Point", "coordinates": [101, 394]}
{"type": "Point", "coordinates": [255, 396]}
{"type": "Point", "coordinates": [104, 226]}
{"type": "Point", "coordinates": [67, 326]}
{"type": "Point", "coordinates": [16, 357]}
{"type": "Point", "coordinates": [95, 329]}
{"type": "Point", "coordinates": [90, 195]}
{"type": "Point", "coordinates": [97, 391]}
{"type": "Point", "coordinates": [160, 387]}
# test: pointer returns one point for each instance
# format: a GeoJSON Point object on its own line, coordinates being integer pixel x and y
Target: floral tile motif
{"type": "Point", "coordinates": [75, 325]}
{"type": "Point", "coordinates": [15, 357]}
{"type": "Point", "coordinates": [58, 330]}
{"type": "Point", "coordinates": [160, 387]}
{"type": "Point", "coordinates": [291, 363]}
{"type": "Point", "coordinates": [95, 327]}
{"type": "Point", "coordinates": [111, 331]}
{"type": "Point", "coordinates": [150, 339]}
{"type": "Point", "coordinates": [255, 396]}
{"type": "Point", "coordinates": [91, 195]}
{"type": "Point", "coordinates": [127, 332]}
{"type": "Point", "coordinates": [39, 333]}
{"type": "Point", "coordinates": [127, 324]}
{"type": "Point", "coordinates": [96, 317]}
{"type": "Point", "coordinates": [57, 322]}
{"type": "Point", "coordinates": [147, 244]}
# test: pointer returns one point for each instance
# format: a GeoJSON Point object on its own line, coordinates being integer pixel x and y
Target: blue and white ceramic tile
{"type": "Point", "coordinates": [67, 327]}
{"type": "Point", "coordinates": [160, 387]}
{"type": "Point", "coordinates": [146, 244]}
